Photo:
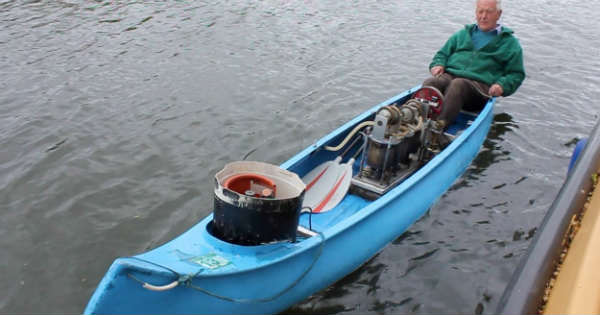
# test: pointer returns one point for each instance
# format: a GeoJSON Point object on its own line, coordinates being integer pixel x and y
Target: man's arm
{"type": "Point", "coordinates": [514, 73]}
{"type": "Point", "coordinates": [441, 57]}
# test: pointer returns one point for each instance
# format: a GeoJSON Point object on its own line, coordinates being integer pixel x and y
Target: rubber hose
{"type": "Point", "coordinates": [350, 135]}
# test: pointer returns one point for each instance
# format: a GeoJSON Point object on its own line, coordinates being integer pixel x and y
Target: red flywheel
{"type": "Point", "coordinates": [433, 97]}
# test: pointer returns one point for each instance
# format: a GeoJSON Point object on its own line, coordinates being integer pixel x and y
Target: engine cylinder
{"type": "Point", "coordinates": [398, 152]}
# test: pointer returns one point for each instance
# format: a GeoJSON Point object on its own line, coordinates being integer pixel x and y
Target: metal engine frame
{"type": "Point", "coordinates": [403, 138]}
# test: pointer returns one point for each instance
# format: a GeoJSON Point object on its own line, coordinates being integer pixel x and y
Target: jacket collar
{"type": "Point", "coordinates": [502, 29]}
{"type": "Point", "coordinates": [498, 28]}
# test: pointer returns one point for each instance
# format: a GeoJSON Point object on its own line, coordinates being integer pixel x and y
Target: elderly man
{"type": "Point", "coordinates": [477, 62]}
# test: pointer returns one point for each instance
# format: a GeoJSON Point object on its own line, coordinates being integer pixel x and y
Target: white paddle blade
{"type": "Point", "coordinates": [338, 191]}
{"type": "Point", "coordinates": [319, 181]}
{"type": "Point", "coordinates": [316, 173]}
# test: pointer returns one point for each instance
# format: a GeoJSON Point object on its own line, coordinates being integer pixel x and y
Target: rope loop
{"type": "Point", "coordinates": [187, 280]}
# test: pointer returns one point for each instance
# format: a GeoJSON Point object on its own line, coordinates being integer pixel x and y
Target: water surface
{"type": "Point", "coordinates": [115, 116]}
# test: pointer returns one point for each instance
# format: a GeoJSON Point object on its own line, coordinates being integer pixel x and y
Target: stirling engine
{"type": "Point", "coordinates": [403, 137]}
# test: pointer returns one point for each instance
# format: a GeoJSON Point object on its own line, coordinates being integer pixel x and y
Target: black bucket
{"type": "Point", "coordinates": [256, 203]}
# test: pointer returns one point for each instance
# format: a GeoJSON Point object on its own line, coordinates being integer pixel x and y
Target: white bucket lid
{"type": "Point", "coordinates": [289, 185]}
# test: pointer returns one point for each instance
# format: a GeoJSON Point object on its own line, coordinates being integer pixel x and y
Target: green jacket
{"type": "Point", "coordinates": [500, 61]}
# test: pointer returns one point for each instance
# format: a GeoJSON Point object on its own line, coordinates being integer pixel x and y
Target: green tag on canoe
{"type": "Point", "coordinates": [210, 261]}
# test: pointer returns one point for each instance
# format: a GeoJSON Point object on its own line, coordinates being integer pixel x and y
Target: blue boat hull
{"type": "Point", "coordinates": [217, 277]}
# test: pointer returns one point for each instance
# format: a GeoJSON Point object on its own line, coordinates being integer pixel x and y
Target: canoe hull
{"type": "Point", "coordinates": [271, 278]}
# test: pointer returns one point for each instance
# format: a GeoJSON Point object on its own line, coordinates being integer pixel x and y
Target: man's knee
{"type": "Point", "coordinates": [432, 81]}
{"type": "Point", "coordinates": [460, 84]}
{"type": "Point", "coordinates": [438, 82]}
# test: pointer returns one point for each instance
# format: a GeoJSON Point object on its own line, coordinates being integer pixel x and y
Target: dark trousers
{"type": "Point", "coordinates": [459, 93]}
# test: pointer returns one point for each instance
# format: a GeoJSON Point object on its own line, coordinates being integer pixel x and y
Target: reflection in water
{"type": "Point", "coordinates": [381, 307]}
{"type": "Point", "coordinates": [491, 152]}
{"type": "Point", "coordinates": [406, 236]}
{"type": "Point", "coordinates": [572, 142]}
{"type": "Point", "coordinates": [367, 275]}
{"type": "Point", "coordinates": [333, 309]}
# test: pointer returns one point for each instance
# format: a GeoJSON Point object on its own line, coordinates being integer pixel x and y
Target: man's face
{"type": "Point", "coordinates": [487, 14]}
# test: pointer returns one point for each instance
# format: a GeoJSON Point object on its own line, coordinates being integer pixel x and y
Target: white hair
{"type": "Point", "coordinates": [498, 4]}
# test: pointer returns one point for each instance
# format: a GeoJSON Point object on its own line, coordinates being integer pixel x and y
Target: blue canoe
{"type": "Point", "coordinates": [198, 273]}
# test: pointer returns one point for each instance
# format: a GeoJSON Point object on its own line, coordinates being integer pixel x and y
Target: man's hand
{"type": "Point", "coordinates": [495, 90]}
{"type": "Point", "coordinates": [437, 70]}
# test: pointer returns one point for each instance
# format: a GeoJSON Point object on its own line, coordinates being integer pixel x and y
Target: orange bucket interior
{"type": "Point", "coordinates": [251, 184]}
